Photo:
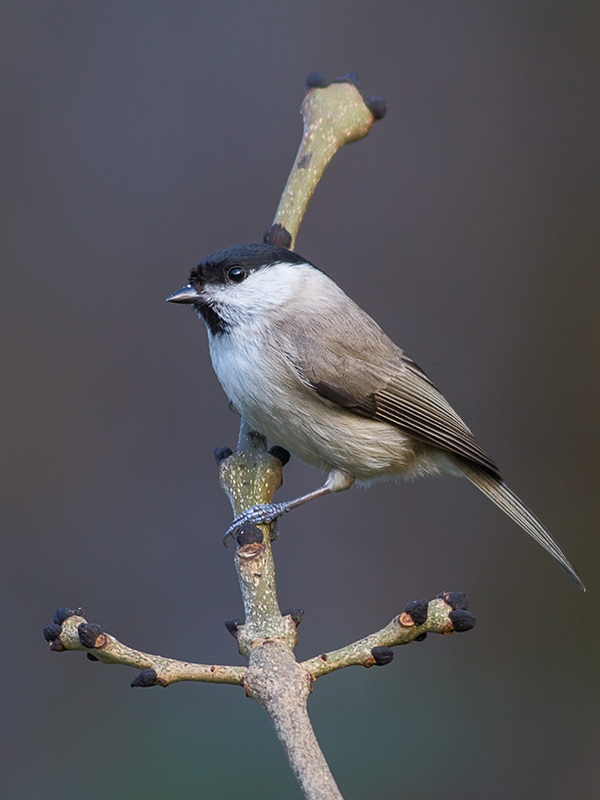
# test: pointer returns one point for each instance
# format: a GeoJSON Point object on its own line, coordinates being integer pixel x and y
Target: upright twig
{"type": "Point", "coordinates": [333, 115]}
{"type": "Point", "coordinates": [274, 678]}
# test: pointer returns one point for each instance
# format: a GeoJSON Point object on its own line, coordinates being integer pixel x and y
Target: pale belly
{"type": "Point", "coordinates": [314, 430]}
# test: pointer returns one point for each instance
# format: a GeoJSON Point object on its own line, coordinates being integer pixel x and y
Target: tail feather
{"type": "Point", "coordinates": [504, 498]}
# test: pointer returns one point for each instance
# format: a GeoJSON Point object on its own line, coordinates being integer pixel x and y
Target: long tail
{"type": "Point", "coordinates": [504, 498]}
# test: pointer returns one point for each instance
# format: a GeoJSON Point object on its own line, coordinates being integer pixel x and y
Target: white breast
{"type": "Point", "coordinates": [266, 392]}
{"type": "Point", "coordinates": [261, 383]}
{"type": "Point", "coordinates": [250, 366]}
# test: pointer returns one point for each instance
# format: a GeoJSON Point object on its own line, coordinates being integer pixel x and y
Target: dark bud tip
{"type": "Point", "coordinates": [458, 600]}
{"type": "Point", "coordinates": [462, 620]}
{"type": "Point", "coordinates": [316, 81]}
{"type": "Point", "coordinates": [52, 632]}
{"type": "Point", "coordinates": [376, 106]}
{"type": "Point", "coordinates": [278, 236]}
{"type": "Point", "coordinates": [249, 534]}
{"type": "Point", "coordinates": [91, 657]}
{"type": "Point", "coordinates": [351, 77]}
{"type": "Point", "coordinates": [221, 453]}
{"type": "Point", "coordinates": [57, 646]}
{"type": "Point", "coordinates": [62, 614]}
{"type": "Point", "coordinates": [297, 615]}
{"type": "Point", "coordinates": [421, 637]}
{"type": "Point", "coordinates": [382, 655]}
{"type": "Point", "coordinates": [88, 633]}
{"type": "Point", "coordinates": [147, 677]}
{"type": "Point", "coordinates": [281, 453]}
{"type": "Point", "coordinates": [417, 611]}
{"type": "Point", "coordinates": [79, 612]}
{"type": "Point", "coordinates": [232, 626]}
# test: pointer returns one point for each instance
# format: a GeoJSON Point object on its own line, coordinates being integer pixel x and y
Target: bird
{"type": "Point", "coordinates": [306, 367]}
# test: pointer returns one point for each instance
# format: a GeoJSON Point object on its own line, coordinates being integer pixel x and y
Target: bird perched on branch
{"type": "Point", "coordinates": [308, 368]}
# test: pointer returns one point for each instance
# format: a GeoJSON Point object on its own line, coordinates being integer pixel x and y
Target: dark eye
{"type": "Point", "coordinates": [236, 274]}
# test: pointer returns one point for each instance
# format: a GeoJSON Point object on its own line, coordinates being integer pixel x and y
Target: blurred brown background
{"type": "Point", "coordinates": [138, 137]}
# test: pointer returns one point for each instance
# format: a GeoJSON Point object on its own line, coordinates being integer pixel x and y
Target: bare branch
{"type": "Point", "coordinates": [333, 116]}
{"type": "Point", "coordinates": [437, 616]}
{"type": "Point", "coordinates": [75, 633]}
{"type": "Point", "coordinates": [250, 476]}
{"type": "Point", "coordinates": [281, 686]}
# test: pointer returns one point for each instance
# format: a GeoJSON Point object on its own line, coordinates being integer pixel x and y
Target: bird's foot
{"type": "Point", "coordinates": [262, 514]}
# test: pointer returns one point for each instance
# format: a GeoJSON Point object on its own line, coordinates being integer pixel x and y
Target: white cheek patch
{"type": "Point", "coordinates": [262, 291]}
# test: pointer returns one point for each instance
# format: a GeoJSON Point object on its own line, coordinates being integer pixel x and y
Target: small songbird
{"type": "Point", "coordinates": [308, 368]}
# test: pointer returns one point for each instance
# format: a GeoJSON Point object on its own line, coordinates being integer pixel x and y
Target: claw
{"type": "Point", "coordinates": [263, 514]}
{"type": "Point", "coordinates": [227, 535]}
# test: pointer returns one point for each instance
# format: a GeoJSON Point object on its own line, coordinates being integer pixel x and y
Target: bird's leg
{"type": "Point", "coordinates": [263, 514]}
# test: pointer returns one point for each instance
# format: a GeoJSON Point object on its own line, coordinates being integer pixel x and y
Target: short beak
{"type": "Point", "coordinates": [186, 295]}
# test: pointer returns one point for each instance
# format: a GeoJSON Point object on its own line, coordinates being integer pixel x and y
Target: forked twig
{"type": "Point", "coordinates": [334, 114]}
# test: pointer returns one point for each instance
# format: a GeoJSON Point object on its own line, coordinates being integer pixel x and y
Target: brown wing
{"type": "Point", "coordinates": [413, 403]}
{"type": "Point", "coordinates": [385, 385]}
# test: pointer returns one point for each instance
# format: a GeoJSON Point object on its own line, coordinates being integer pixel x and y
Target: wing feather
{"type": "Point", "coordinates": [415, 405]}
{"type": "Point", "coordinates": [361, 369]}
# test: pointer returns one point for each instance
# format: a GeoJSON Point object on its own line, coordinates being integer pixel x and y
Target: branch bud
{"type": "Point", "coordinates": [462, 620]}
{"type": "Point", "coordinates": [52, 632]}
{"type": "Point", "coordinates": [417, 611]}
{"type": "Point", "coordinates": [458, 600]}
{"type": "Point", "coordinates": [147, 677]}
{"type": "Point", "coordinates": [91, 635]}
{"type": "Point", "coordinates": [382, 655]}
